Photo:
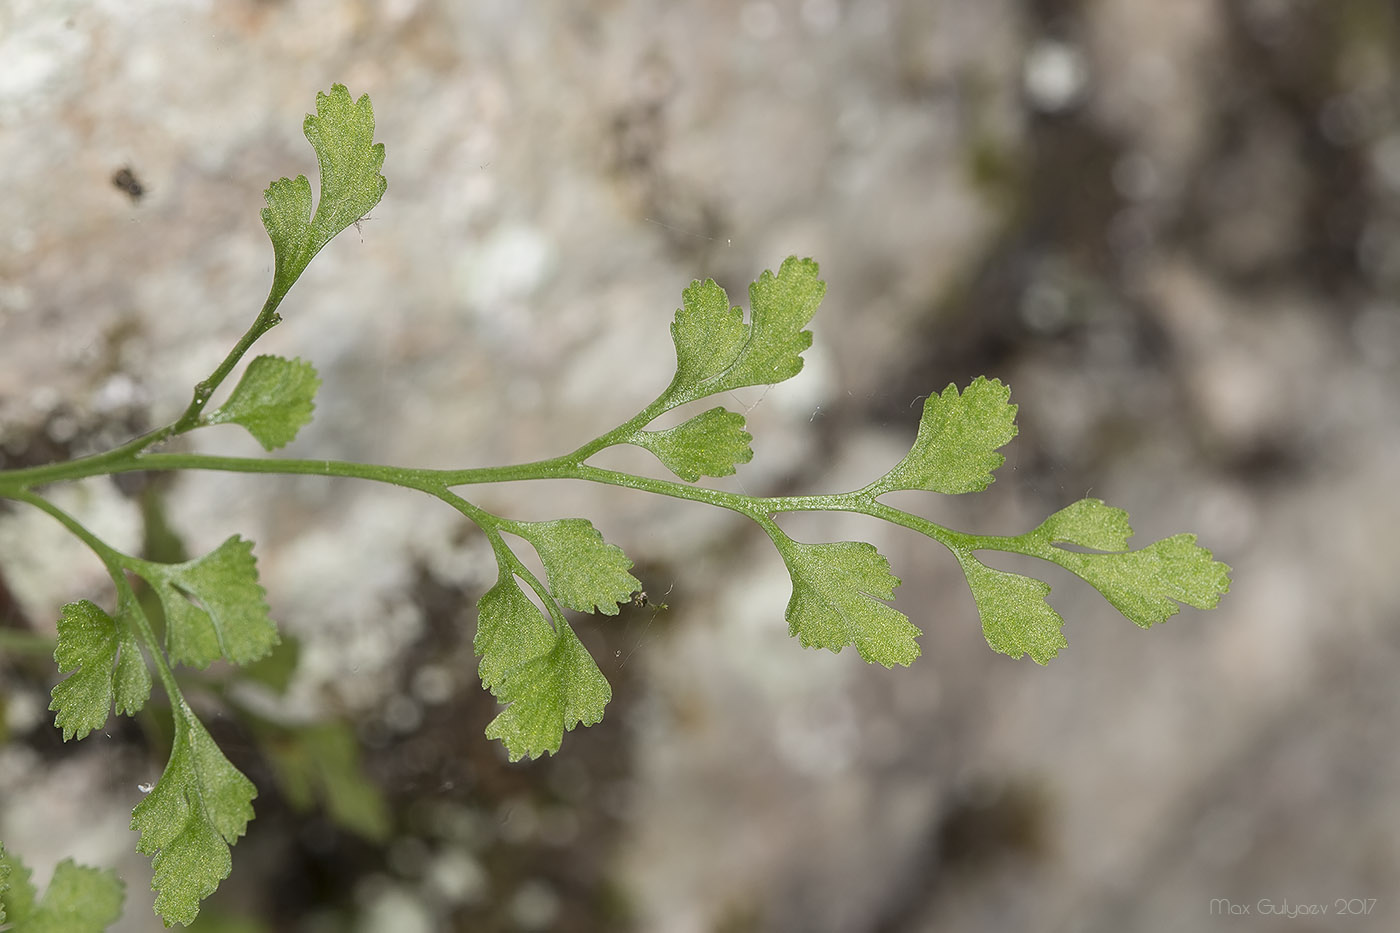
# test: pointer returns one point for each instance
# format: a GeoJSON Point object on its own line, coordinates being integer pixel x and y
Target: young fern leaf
{"type": "Point", "coordinates": [547, 696]}
{"type": "Point", "coordinates": [956, 448]}
{"type": "Point", "coordinates": [510, 631]}
{"type": "Point", "coordinates": [200, 806]}
{"type": "Point", "coordinates": [107, 667]}
{"type": "Point", "coordinates": [274, 400]}
{"type": "Point", "coordinates": [709, 336]}
{"type": "Point", "coordinates": [837, 593]}
{"type": "Point", "coordinates": [712, 443]}
{"type": "Point", "coordinates": [1016, 619]}
{"type": "Point", "coordinates": [781, 305]}
{"type": "Point", "coordinates": [1088, 523]}
{"type": "Point", "coordinates": [78, 900]}
{"type": "Point", "coordinates": [955, 452]}
{"type": "Point", "coordinates": [1147, 585]}
{"type": "Point", "coordinates": [541, 673]}
{"type": "Point", "coordinates": [716, 351]}
{"type": "Point", "coordinates": [585, 573]}
{"type": "Point", "coordinates": [214, 606]}
{"type": "Point", "coordinates": [342, 134]}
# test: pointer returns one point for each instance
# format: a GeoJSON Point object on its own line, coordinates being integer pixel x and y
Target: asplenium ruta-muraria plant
{"type": "Point", "coordinates": [531, 660]}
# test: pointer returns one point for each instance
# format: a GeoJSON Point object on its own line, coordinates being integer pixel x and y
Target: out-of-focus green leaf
{"type": "Point", "coordinates": [78, 899]}
{"type": "Point", "coordinates": [321, 762]}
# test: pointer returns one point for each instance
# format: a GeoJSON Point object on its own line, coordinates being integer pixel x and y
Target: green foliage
{"type": "Point", "coordinates": [584, 571]}
{"type": "Point", "coordinates": [1145, 585]}
{"type": "Point", "coordinates": [1088, 523]}
{"type": "Point", "coordinates": [716, 351]}
{"type": "Point", "coordinates": [509, 632]}
{"type": "Point", "coordinates": [109, 668]}
{"type": "Point", "coordinates": [4, 881]}
{"type": "Point", "coordinates": [275, 669]}
{"type": "Point", "coordinates": [320, 763]}
{"type": "Point", "coordinates": [78, 899]}
{"type": "Point", "coordinates": [200, 806]}
{"type": "Point", "coordinates": [214, 606]}
{"type": "Point", "coordinates": [1148, 584]}
{"type": "Point", "coordinates": [1016, 619]}
{"type": "Point", "coordinates": [710, 444]}
{"type": "Point", "coordinates": [837, 593]}
{"type": "Point", "coordinates": [530, 658]}
{"type": "Point", "coordinates": [273, 400]}
{"type": "Point", "coordinates": [955, 450]}
{"type": "Point", "coordinates": [342, 133]}
{"type": "Point", "coordinates": [548, 695]}
{"type": "Point", "coordinates": [549, 680]}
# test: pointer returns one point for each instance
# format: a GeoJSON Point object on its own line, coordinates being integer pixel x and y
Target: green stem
{"type": "Point", "coordinates": [624, 432]}
{"type": "Point", "coordinates": [114, 560]}
{"type": "Point", "coordinates": [116, 563]}
{"type": "Point", "coordinates": [491, 526]}
{"type": "Point", "coordinates": [13, 481]}
{"type": "Point", "coordinates": [267, 319]}
{"type": "Point", "coordinates": [121, 459]}
{"type": "Point", "coordinates": [436, 482]}
{"type": "Point", "coordinates": [129, 458]}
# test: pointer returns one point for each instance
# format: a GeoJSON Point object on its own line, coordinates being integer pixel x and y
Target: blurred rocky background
{"type": "Point", "coordinates": [1172, 227]}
